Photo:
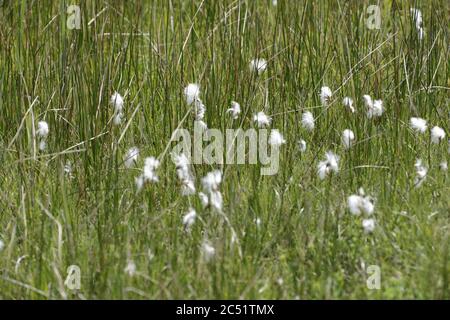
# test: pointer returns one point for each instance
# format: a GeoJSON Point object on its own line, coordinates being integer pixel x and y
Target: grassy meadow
{"type": "Point", "coordinates": [285, 236]}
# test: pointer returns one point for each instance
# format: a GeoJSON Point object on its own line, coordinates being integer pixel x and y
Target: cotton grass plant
{"type": "Point", "coordinates": [338, 97]}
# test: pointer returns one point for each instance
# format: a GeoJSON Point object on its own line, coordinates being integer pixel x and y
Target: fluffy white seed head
{"type": "Point", "coordinates": [42, 130]}
{"type": "Point", "coordinates": [437, 134]}
{"type": "Point", "coordinates": [325, 95]}
{"type": "Point", "coordinates": [417, 17]}
{"type": "Point", "coordinates": [354, 204]}
{"type": "Point", "coordinates": [212, 181]}
{"type": "Point", "coordinates": [235, 109]}
{"type": "Point", "coordinates": [418, 124]}
{"type": "Point", "coordinates": [184, 174]}
{"type": "Point", "coordinates": [308, 121]}
{"type": "Point", "coordinates": [358, 204]}
{"type": "Point", "coordinates": [421, 173]}
{"type": "Point", "coordinates": [348, 103]}
{"type": "Point", "coordinates": [42, 145]}
{"type": "Point", "coordinates": [212, 195]}
{"type": "Point", "coordinates": [117, 102]}
{"type": "Point", "coordinates": [117, 120]}
{"type": "Point", "coordinates": [131, 157]}
{"type": "Point", "coordinates": [204, 200]}
{"type": "Point", "coordinates": [368, 101]}
{"type": "Point", "coordinates": [347, 138]}
{"type": "Point", "coordinates": [368, 225]}
{"type": "Point", "coordinates": [258, 65]}
{"type": "Point", "coordinates": [420, 33]}
{"type": "Point", "coordinates": [329, 165]}
{"type": "Point", "coordinates": [2, 245]}
{"type": "Point", "coordinates": [276, 139]}
{"type": "Point", "coordinates": [261, 119]}
{"type": "Point", "coordinates": [191, 92]}
{"type": "Point", "coordinates": [149, 173]}
{"type": "Point", "coordinates": [189, 218]}
{"type": "Point", "coordinates": [367, 205]}
{"type": "Point", "coordinates": [375, 110]}
{"type": "Point", "coordinates": [216, 200]}
{"type": "Point", "coordinates": [443, 166]}
{"type": "Point", "coordinates": [418, 21]}
{"type": "Point", "coordinates": [302, 145]}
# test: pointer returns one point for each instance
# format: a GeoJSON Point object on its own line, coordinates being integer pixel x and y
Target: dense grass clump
{"type": "Point", "coordinates": [69, 198]}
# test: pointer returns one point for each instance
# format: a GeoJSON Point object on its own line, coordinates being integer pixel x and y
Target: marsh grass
{"type": "Point", "coordinates": [149, 51]}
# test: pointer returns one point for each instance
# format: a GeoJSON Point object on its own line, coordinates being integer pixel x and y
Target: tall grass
{"type": "Point", "coordinates": [308, 245]}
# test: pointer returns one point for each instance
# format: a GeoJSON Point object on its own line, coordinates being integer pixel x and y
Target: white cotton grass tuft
{"type": "Point", "coordinates": [437, 134]}
{"type": "Point", "coordinates": [189, 219]}
{"type": "Point", "coordinates": [42, 145]}
{"type": "Point", "coordinates": [184, 174]}
{"type": "Point", "coordinates": [360, 203]}
{"type": "Point", "coordinates": [421, 173]}
{"type": "Point", "coordinates": [443, 166]}
{"type": "Point", "coordinates": [211, 194]}
{"type": "Point", "coordinates": [258, 65]}
{"type": "Point", "coordinates": [42, 133]}
{"type": "Point", "coordinates": [367, 101]}
{"type": "Point", "coordinates": [204, 200]}
{"type": "Point", "coordinates": [328, 166]}
{"type": "Point", "coordinates": [208, 251]}
{"type": "Point", "coordinates": [212, 181]}
{"type": "Point", "coordinates": [325, 95]}
{"type": "Point", "coordinates": [235, 109]}
{"type": "Point", "coordinates": [149, 172]}
{"type": "Point", "coordinates": [276, 138]}
{"type": "Point", "coordinates": [308, 121]}
{"type": "Point", "coordinates": [347, 138]}
{"type": "Point", "coordinates": [131, 157]}
{"type": "Point", "coordinates": [2, 245]}
{"type": "Point", "coordinates": [417, 17]}
{"type": "Point", "coordinates": [368, 225]}
{"type": "Point", "coordinates": [348, 103]}
{"type": "Point", "coordinates": [43, 129]}
{"type": "Point", "coordinates": [191, 92]}
{"type": "Point", "coordinates": [192, 95]}
{"type": "Point", "coordinates": [418, 124]}
{"type": "Point", "coordinates": [302, 145]}
{"type": "Point", "coordinates": [117, 120]}
{"type": "Point", "coordinates": [418, 21]}
{"type": "Point", "coordinates": [117, 103]}
{"type": "Point", "coordinates": [376, 110]}
{"type": "Point", "coordinates": [261, 119]}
